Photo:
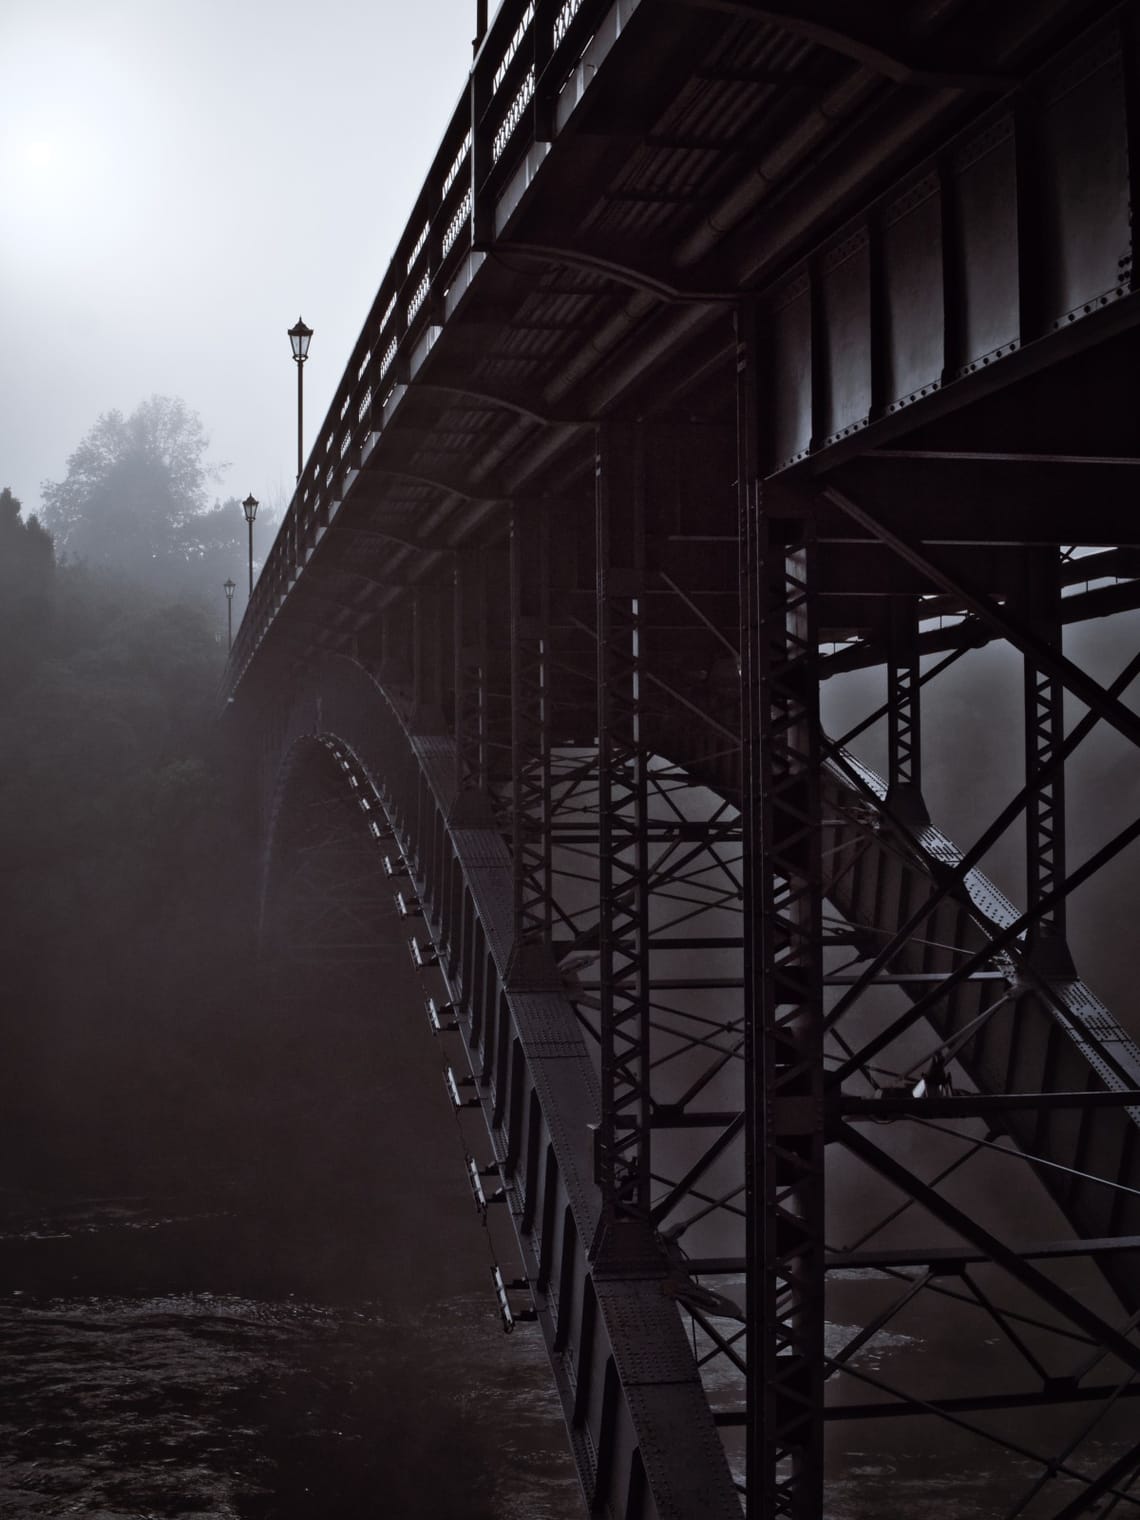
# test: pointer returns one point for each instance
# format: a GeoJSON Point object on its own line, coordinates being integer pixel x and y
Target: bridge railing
{"type": "Point", "coordinates": [532, 50]}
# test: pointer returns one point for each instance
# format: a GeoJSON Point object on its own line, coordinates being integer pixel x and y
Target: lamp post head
{"type": "Point", "coordinates": [229, 587]}
{"type": "Point", "coordinates": [299, 337]}
{"type": "Point", "coordinates": [249, 506]}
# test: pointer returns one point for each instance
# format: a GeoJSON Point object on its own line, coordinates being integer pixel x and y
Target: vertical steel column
{"type": "Point", "coordinates": [783, 987]}
{"type": "Point", "coordinates": [472, 722]}
{"type": "Point", "coordinates": [623, 1142]}
{"type": "Point", "coordinates": [1047, 944]}
{"type": "Point", "coordinates": [396, 646]}
{"type": "Point", "coordinates": [531, 958]}
{"type": "Point", "coordinates": [904, 713]}
{"type": "Point", "coordinates": [429, 645]}
{"type": "Point", "coordinates": [422, 652]}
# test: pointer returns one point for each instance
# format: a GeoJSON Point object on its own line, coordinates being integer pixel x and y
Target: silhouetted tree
{"type": "Point", "coordinates": [212, 545]}
{"type": "Point", "coordinates": [135, 500]}
{"type": "Point", "coordinates": [27, 566]}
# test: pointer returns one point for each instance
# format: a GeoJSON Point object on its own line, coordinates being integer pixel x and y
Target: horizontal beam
{"type": "Point", "coordinates": [1067, 1304]}
{"type": "Point", "coordinates": [962, 276]}
{"type": "Point", "coordinates": [1004, 622]}
{"type": "Point", "coordinates": [957, 1258]}
{"type": "Point", "coordinates": [1057, 1391]}
{"type": "Point", "coordinates": [892, 1105]}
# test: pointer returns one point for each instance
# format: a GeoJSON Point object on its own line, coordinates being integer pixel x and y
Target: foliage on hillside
{"type": "Point", "coordinates": [135, 500]}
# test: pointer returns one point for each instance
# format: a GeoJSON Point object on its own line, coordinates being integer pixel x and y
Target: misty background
{"type": "Point", "coordinates": [236, 1278]}
{"type": "Point", "coordinates": [177, 183]}
{"type": "Point", "coordinates": [194, 1322]}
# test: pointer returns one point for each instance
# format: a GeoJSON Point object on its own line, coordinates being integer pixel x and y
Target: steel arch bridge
{"type": "Point", "coordinates": [732, 358]}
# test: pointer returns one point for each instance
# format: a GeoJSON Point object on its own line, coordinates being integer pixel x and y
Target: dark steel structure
{"type": "Point", "coordinates": [734, 357]}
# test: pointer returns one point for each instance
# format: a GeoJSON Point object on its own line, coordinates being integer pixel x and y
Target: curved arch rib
{"type": "Point", "coordinates": [640, 1426]}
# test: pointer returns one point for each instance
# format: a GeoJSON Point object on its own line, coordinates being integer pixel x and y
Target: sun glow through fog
{"type": "Point", "coordinates": [173, 177]}
{"type": "Point", "coordinates": [33, 165]}
{"type": "Point", "coordinates": [49, 189]}
{"type": "Point", "coordinates": [41, 153]}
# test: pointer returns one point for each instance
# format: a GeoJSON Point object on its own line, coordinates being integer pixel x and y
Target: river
{"type": "Point", "coordinates": [173, 1358]}
{"type": "Point", "coordinates": [167, 1360]}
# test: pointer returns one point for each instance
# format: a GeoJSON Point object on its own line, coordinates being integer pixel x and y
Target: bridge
{"type": "Point", "coordinates": [739, 362]}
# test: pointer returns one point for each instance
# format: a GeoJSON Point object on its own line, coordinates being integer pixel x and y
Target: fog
{"type": "Point", "coordinates": [177, 183]}
{"type": "Point", "coordinates": [236, 1277]}
{"type": "Point", "coordinates": [193, 1323]}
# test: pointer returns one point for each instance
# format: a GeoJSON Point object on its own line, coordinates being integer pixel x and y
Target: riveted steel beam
{"type": "Point", "coordinates": [783, 988]}
{"type": "Point", "coordinates": [532, 954]}
{"type": "Point", "coordinates": [1004, 622]}
{"type": "Point", "coordinates": [624, 1148]}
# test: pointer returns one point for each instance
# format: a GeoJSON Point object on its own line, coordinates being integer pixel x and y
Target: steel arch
{"type": "Point", "coordinates": [641, 1428]}
{"type": "Point", "coordinates": [639, 1423]}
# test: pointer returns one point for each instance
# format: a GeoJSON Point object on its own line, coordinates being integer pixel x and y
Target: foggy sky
{"type": "Point", "coordinates": [179, 180]}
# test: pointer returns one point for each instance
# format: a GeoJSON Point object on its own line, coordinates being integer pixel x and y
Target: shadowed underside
{"type": "Point", "coordinates": [734, 359]}
{"type": "Point", "coordinates": [535, 1065]}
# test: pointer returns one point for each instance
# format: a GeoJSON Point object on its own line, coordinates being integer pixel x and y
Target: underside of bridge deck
{"type": "Point", "coordinates": [733, 487]}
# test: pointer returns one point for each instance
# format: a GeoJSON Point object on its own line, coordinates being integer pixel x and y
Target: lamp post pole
{"type": "Point", "coordinates": [229, 587]}
{"type": "Point", "coordinates": [249, 507]}
{"type": "Point", "coordinates": [299, 337]}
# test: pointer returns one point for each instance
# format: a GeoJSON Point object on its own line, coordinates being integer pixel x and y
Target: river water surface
{"type": "Point", "coordinates": [217, 1356]}
{"type": "Point", "coordinates": [157, 1365]}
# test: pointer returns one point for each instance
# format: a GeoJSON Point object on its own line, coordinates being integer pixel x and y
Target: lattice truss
{"type": "Point", "coordinates": [980, 1229]}
{"type": "Point", "coordinates": [628, 880]}
{"type": "Point", "coordinates": [825, 974]}
{"type": "Point", "coordinates": [858, 1110]}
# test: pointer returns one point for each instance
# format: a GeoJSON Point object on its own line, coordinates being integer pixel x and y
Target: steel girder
{"type": "Point", "coordinates": [1004, 249]}
{"type": "Point", "coordinates": [783, 906]}
{"type": "Point", "coordinates": [836, 865]}
{"type": "Point", "coordinates": [780, 767]}
{"type": "Point", "coordinates": [534, 801]}
{"type": "Point", "coordinates": [998, 988]}
{"type": "Point", "coordinates": [478, 680]}
{"type": "Point", "coordinates": [873, 951]}
{"type": "Point", "coordinates": [1046, 1030]}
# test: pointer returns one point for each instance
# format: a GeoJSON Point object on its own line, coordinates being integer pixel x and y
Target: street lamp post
{"type": "Point", "coordinates": [299, 337]}
{"type": "Point", "coordinates": [249, 507]}
{"type": "Point", "coordinates": [229, 587]}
